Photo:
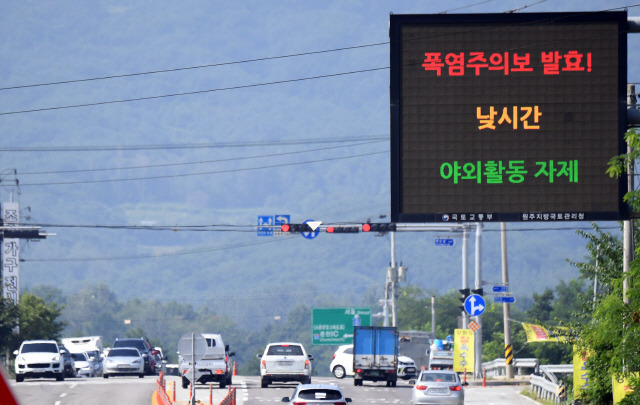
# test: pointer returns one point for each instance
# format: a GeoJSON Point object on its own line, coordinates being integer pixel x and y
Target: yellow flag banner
{"type": "Point", "coordinates": [580, 372]}
{"type": "Point", "coordinates": [463, 351]}
{"type": "Point", "coordinates": [538, 333]}
{"type": "Point", "coordinates": [620, 387]}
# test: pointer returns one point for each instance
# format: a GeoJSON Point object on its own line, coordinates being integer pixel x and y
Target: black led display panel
{"type": "Point", "coordinates": [507, 117]}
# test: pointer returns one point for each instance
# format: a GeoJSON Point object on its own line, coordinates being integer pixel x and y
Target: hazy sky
{"type": "Point", "coordinates": [251, 85]}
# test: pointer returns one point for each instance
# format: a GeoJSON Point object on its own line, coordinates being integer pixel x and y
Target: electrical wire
{"type": "Point", "coordinates": [228, 88]}
{"type": "Point", "coordinates": [190, 93]}
{"type": "Point", "coordinates": [203, 173]}
{"type": "Point", "coordinates": [200, 162]}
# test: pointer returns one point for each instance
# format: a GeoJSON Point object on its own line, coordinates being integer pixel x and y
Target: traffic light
{"type": "Point", "coordinates": [478, 291]}
{"type": "Point", "coordinates": [379, 227]}
{"type": "Point", "coordinates": [465, 293]}
{"type": "Point", "coordinates": [295, 228]}
{"type": "Point", "coordinates": [343, 229]}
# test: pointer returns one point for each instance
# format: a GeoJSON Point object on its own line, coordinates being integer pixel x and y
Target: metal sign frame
{"type": "Point", "coordinates": [453, 114]}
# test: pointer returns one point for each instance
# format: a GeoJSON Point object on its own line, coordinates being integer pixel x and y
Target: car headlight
{"type": "Point", "coordinates": [56, 358]}
{"type": "Point", "coordinates": [136, 361]}
{"type": "Point", "coordinates": [108, 361]}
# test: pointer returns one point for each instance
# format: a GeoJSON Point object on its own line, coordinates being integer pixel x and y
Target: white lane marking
{"type": "Point", "coordinates": [56, 403]}
{"type": "Point", "coordinates": [64, 394]}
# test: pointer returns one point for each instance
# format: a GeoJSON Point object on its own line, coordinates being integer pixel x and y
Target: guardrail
{"type": "Point", "coordinates": [547, 390]}
{"type": "Point", "coordinates": [498, 367]}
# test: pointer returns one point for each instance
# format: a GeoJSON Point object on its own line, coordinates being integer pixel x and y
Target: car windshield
{"type": "Point", "coordinates": [320, 394]}
{"type": "Point", "coordinates": [137, 343]}
{"type": "Point", "coordinates": [39, 348]}
{"type": "Point", "coordinates": [285, 350]}
{"type": "Point", "coordinates": [79, 356]}
{"type": "Point", "coordinates": [123, 353]}
{"type": "Point", "coordinates": [438, 377]}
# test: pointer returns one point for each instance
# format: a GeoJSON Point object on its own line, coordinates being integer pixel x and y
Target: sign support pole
{"type": "Point", "coordinates": [506, 309]}
{"type": "Point", "coordinates": [478, 285]}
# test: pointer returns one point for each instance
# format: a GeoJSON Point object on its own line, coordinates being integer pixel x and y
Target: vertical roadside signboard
{"type": "Point", "coordinates": [507, 117]}
{"type": "Point", "coordinates": [463, 351]}
{"type": "Point", "coordinates": [334, 326]}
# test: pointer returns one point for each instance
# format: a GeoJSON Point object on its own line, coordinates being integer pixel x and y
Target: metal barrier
{"type": "Point", "coordinates": [498, 367]}
{"type": "Point", "coordinates": [547, 390]}
{"type": "Point", "coordinates": [163, 397]}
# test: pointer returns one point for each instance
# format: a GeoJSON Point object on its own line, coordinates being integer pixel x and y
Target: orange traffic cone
{"type": "Point", "coordinates": [235, 368]}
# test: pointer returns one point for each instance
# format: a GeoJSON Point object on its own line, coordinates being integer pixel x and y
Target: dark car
{"type": "Point", "coordinates": [145, 350]}
{"type": "Point", "coordinates": [69, 363]}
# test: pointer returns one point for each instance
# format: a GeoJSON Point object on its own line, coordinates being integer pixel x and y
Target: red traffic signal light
{"type": "Point", "coordinates": [379, 227]}
{"type": "Point", "coordinates": [295, 228]}
{"type": "Point", "coordinates": [342, 229]}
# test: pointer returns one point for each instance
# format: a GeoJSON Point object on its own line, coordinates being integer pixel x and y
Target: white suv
{"type": "Point", "coordinates": [39, 358]}
{"type": "Point", "coordinates": [285, 361]}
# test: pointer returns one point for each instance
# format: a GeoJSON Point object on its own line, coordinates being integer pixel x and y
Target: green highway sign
{"type": "Point", "coordinates": [334, 326]}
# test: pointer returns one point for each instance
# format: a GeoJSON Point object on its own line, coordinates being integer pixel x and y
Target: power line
{"type": "Point", "coordinates": [200, 162]}
{"type": "Point", "coordinates": [262, 59]}
{"type": "Point", "coordinates": [542, 21]}
{"type": "Point", "coordinates": [201, 173]}
{"type": "Point", "coordinates": [285, 142]}
{"type": "Point", "coordinates": [189, 93]}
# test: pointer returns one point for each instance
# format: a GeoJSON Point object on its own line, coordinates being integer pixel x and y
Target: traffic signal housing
{"type": "Point", "coordinates": [379, 227]}
{"type": "Point", "coordinates": [465, 293]}
{"type": "Point", "coordinates": [343, 229]}
{"type": "Point", "coordinates": [478, 291]}
{"type": "Point", "coordinates": [295, 228]}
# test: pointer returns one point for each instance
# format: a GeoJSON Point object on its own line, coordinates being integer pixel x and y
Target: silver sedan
{"type": "Point", "coordinates": [123, 361]}
{"type": "Point", "coordinates": [438, 387]}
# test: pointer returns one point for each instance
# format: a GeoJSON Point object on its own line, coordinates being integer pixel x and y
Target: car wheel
{"type": "Point", "coordinates": [141, 375]}
{"type": "Point", "coordinates": [338, 372]}
{"type": "Point", "coordinates": [223, 383]}
{"type": "Point", "coordinates": [264, 383]}
{"type": "Point", "coordinates": [105, 375]}
{"type": "Point", "coordinates": [229, 380]}
{"type": "Point", "coordinates": [19, 378]}
{"type": "Point", "coordinates": [185, 382]}
{"type": "Point", "coordinates": [357, 381]}
{"type": "Point", "coordinates": [60, 377]}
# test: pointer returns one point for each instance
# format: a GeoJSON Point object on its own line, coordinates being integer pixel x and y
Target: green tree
{"type": "Point", "coordinates": [541, 309]}
{"type": "Point", "coordinates": [9, 314]}
{"type": "Point", "coordinates": [606, 327]}
{"type": "Point", "coordinates": [37, 319]}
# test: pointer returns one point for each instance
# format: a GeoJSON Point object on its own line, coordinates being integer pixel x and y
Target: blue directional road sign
{"type": "Point", "coordinates": [504, 299]}
{"type": "Point", "coordinates": [312, 234]}
{"type": "Point", "coordinates": [500, 288]}
{"type": "Point", "coordinates": [474, 305]}
{"type": "Point", "coordinates": [444, 242]}
{"type": "Point", "coordinates": [279, 221]}
{"type": "Point", "coordinates": [265, 223]}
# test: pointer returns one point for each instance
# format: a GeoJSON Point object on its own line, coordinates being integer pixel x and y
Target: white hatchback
{"type": "Point", "coordinates": [283, 362]}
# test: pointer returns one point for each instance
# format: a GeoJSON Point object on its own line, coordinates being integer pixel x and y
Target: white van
{"type": "Point", "coordinates": [214, 366]}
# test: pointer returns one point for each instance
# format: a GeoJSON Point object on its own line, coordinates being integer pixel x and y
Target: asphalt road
{"type": "Point", "coordinates": [135, 391]}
